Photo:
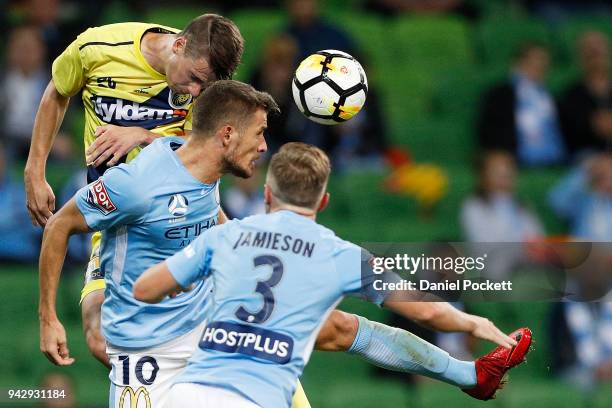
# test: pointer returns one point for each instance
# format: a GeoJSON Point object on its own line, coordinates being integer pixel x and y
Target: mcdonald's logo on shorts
{"type": "Point", "coordinates": [134, 398]}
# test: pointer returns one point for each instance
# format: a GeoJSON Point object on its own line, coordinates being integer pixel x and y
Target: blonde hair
{"type": "Point", "coordinates": [298, 174]}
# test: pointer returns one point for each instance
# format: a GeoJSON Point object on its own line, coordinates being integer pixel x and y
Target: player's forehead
{"type": "Point", "coordinates": [260, 118]}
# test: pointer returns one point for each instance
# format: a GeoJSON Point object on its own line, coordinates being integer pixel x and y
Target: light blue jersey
{"type": "Point", "coordinates": [276, 279]}
{"type": "Point", "coordinates": [148, 210]}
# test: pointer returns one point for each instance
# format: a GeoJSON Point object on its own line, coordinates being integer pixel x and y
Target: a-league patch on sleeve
{"type": "Point", "coordinates": [98, 197]}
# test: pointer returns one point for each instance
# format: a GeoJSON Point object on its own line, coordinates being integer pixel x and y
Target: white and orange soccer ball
{"type": "Point", "coordinates": [330, 87]}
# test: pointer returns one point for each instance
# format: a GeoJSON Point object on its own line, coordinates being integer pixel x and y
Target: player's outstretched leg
{"type": "Point", "coordinates": [399, 350]}
{"type": "Point", "coordinates": [490, 369]}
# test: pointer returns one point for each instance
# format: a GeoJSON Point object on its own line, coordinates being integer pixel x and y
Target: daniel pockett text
{"type": "Point", "coordinates": [452, 267]}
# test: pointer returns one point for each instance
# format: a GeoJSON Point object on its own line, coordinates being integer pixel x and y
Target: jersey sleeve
{"type": "Point", "coordinates": [359, 279]}
{"type": "Point", "coordinates": [68, 70]}
{"type": "Point", "coordinates": [193, 263]}
{"type": "Point", "coordinates": [114, 199]}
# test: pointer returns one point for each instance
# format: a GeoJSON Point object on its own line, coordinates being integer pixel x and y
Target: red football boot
{"type": "Point", "coordinates": [490, 369]}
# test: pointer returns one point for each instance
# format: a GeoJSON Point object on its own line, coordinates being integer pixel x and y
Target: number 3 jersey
{"type": "Point", "coordinates": [276, 279]}
{"type": "Point", "coordinates": [148, 210]}
{"type": "Point", "coordinates": [119, 86]}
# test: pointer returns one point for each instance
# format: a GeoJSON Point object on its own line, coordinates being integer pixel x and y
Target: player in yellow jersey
{"type": "Point", "coordinates": [138, 82]}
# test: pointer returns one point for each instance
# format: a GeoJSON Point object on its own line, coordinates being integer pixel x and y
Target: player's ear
{"type": "Point", "coordinates": [178, 46]}
{"type": "Point", "coordinates": [225, 133]}
{"type": "Point", "coordinates": [267, 195]}
{"type": "Point", "coordinates": [323, 203]}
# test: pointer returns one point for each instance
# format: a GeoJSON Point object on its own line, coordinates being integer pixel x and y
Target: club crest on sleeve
{"type": "Point", "coordinates": [98, 197]}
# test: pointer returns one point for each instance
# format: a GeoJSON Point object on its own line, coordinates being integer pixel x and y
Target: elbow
{"type": "Point", "coordinates": [142, 293]}
{"type": "Point", "coordinates": [428, 314]}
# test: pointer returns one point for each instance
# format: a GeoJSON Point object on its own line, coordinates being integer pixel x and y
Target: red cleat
{"type": "Point", "coordinates": [490, 369]}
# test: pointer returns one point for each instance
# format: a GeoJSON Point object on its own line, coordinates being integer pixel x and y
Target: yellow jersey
{"type": "Point", "coordinates": [118, 85]}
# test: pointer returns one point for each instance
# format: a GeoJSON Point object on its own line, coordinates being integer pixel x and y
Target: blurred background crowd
{"type": "Point", "coordinates": [486, 121]}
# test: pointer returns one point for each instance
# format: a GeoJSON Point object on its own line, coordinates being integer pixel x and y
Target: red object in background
{"type": "Point", "coordinates": [396, 156]}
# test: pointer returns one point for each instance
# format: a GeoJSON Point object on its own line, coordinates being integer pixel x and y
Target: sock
{"type": "Point", "coordinates": [399, 350]}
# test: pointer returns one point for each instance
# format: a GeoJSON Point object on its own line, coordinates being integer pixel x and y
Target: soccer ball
{"type": "Point", "coordinates": [330, 87]}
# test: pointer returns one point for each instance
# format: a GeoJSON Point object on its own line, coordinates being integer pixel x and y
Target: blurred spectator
{"type": "Point", "coordinates": [584, 199]}
{"type": "Point", "coordinates": [520, 116]}
{"type": "Point", "coordinates": [311, 32]}
{"type": "Point", "coordinates": [581, 330]}
{"type": "Point", "coordinates": [586, 107]}
{"type": "Point", "coordinates": [62, 383]}
{"type": "Point", "coordinates": [494, 214]}
{"type": "Point", "coordinates": [274, 75]}
{"type": "Point", "coordinates": [361, 138]}
{"type": "Point", "coordinates": [244, 197]}
{"type": "Point", "coordinates": [20, 239]}
{"type": "Point", "coordinates": [59, 29]}
{"type": "Point", "coordinates": [21, 88]}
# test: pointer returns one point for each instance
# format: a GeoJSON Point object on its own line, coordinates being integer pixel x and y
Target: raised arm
{"type": "Point", "coordinates": [443, 316]}
{"type": "Point", "coordinates": [60, 227]}
{"type": "Point", "coordinates": [40, 198]}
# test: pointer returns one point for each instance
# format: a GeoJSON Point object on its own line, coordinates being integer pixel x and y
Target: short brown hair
{"type": "Point", "coordinates": [230, 102]}
{"type": "Point", "coordinates": [299, 174]}
{"type": "Point", "coordinates": [217, 39]}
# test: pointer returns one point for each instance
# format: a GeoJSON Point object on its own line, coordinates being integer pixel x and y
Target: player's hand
{"type": "Point", "coordinates": [113, 142]}
{"type": "Point", "coordinates": [40, 200]}
{"type": "Point", "coordinates": [53, 342]}
{"type": "Point", "coordinates": [486, 330]}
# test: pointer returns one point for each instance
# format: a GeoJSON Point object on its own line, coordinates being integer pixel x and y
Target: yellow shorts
{"type": "Point", "coordinates": [299, 398]}
{"type": "Point", "coordinates": [94, 279]}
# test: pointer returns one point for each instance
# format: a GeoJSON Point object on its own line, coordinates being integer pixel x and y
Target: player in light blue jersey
{"type": "Point", "coordinates": [148, 210]}
{"type": "Point", "coordinates": [276, 278]}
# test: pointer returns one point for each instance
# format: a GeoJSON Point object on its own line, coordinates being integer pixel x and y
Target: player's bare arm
{"type": "Point", "coordinates": [156, 283]}
{"type": "Point", "coordinates": [113, 142]}
{"type": "Point", "coordinates": [91, 315]}
{"type": "Point", "coordinates": [40, 198]}
{"type": "Point", "coordinates": [442, 316]}
{"type": "Point", "coordinates": [60, 226]}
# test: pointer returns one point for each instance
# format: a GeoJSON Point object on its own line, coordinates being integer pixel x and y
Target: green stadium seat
{"type": "Point", "coordinates": [432, 43]}
{"type": "Point", "coordinates": [368, 32]}
{"type": "Point", "coordinates": [406, 95]}
{"type": "Point", "coordinates": [256, 26]}
{"type": "Point", "coordinates": [117, 12]}
{"type": "Point", "coordinates": [499, 38]}
{"type": "Point", "coordinates": [176, 17]}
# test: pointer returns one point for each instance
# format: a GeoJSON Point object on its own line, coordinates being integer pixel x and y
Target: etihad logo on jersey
{"type": "Point", "coordinates": [249, 340]}
{"type": "Point", "coordinates": [189, 231]}
{"type": "Point", "coordinates": [159, 110]}
{"type": "Point", "coordinates": [98, 197]}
